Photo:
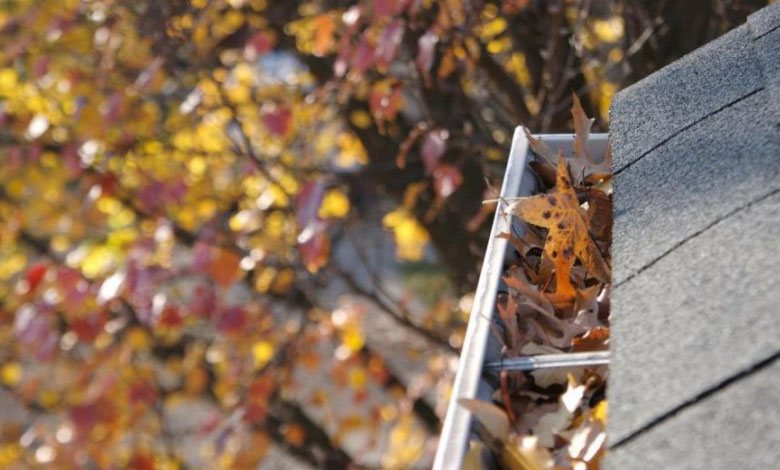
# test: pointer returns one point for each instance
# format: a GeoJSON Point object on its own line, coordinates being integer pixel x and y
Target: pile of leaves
{"type": "Point", "coordinates": [558, 302]}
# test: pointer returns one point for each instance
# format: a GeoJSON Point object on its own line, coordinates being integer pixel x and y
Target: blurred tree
{"type": "Point", "coordinates": [174, 174]}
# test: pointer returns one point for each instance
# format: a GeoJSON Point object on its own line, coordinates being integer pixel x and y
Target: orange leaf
{"type": "Point", "coordinates": [324, 27]}
{"type": "Point", "coordinates": [568, 236]}
{"type": "Point", "coordinates": [224, 267]}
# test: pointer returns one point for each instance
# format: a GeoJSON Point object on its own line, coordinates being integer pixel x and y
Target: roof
{"type": "Point", "coordinates": [695, 335]}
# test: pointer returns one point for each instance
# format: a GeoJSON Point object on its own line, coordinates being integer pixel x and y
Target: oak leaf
{"type": "Point", "coordinates": [568, 236]}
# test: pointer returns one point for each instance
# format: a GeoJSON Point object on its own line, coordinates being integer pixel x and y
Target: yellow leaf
{"type": "Point", "coordinates": [11, 373]}
{"type": "Point", "coordinates": [262, 352]}
{"type": "Point", "coordinates": [360, 118]}
{"type": "Point", "coordinates": [8, 79]}
{"type": "Point", "coordinates": [334, 205]}
{"type": "Point", "coordinates": [599, 413]}
{"type": "Point", "coordinates": [357, 378]}
{"type": "Point", "coordinates": [352, 337]}
{"type": "Point", "coordinates": [99, 260]}
{"type": "Point", "coordinates": [405, 445]}
{"type": "Point", "coordinates": [493, 28]}
{"type": "Point", "coordinates": [10, 265]}
{"type": "Point", "coordinates": [609, 30]}
{"type": "Point", "coordinates": [410, 236]}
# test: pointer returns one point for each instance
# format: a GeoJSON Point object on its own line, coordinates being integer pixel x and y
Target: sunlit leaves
{"type": "Point", "coordinates": [11, 373]}
{"type": "Point", "coordinates": [410, 236]}
{"type": "Point", "coordinates": [223, 266]}
{"type": "Point", "coordinates": [335, 204]}
{"type": "Point", "coordinates": [405, 444]}
{"type": "Point", "coordinates": [262, 352]}
{"type": "Point", "coordinates": [568, 232]}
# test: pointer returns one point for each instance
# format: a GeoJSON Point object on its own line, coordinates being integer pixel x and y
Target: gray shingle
{"type": "Point", "coordinates": [649, 112]}
{"type": "Point", "coordinates": [767, 49]}
{"type": "Point", "coordinates": [698, 176]}
{"type": "Point", "coordinates": [719, 425]}
{"type": "Point", "coordinates": [765, 20]}
{"type": "Point", "coordinates": [699, 315]}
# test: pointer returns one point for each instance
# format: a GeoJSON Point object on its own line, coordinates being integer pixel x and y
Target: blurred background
{"type": "Point", "coordinates": [244, 234]}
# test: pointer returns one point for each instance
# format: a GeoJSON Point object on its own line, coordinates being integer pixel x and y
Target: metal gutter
{"type": "Point", "coordinates": [469, 381]}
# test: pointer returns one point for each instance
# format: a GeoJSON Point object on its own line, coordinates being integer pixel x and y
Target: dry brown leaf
{"type": "Point", "coordinates": [540, 148]}
{"type": "Point", "coordinates": [490, 416]}
{"type": "Point", "coordinates": [582, 125]}
{"type": "Point", "coordinates": [552, 424]}
{"type": "Point", "coordinates": [600, 214]}
{"type": "Point", "coordinates": [568, 236]}
{"type": "Point", "coordinates": [508, 313]}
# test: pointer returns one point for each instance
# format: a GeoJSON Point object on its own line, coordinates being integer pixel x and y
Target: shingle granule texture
{"type": "Point", "coordinates": [696, 259]}
{"type": "Point", "coordinates": [651, 111]}
{"type": "Point", "coordinates": [739, 428]}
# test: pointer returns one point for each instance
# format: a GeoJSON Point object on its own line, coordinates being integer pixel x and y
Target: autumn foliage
{"type": "Point", "coordinates": [190, 190]}
{"type": "Point", "coordinates": [558, 302]}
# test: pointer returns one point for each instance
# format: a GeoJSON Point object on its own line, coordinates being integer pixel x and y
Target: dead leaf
{"type": "Point", "coordinates": [552, 424]}
{"type": "Point", "coordinates": [568, 234]}
{"type": "Point", "coordinates": [586, 441]}
{"type": "Point", "coordinates": [540, 148]}
{"type": "Point", "coordinates": [600, 214]}
{"type": "Point", "coordinates": [582, 126]}
{"type": "Point", "coordinates": [492, 417]}
{"type": "Point", "coordinates": [508, 313]}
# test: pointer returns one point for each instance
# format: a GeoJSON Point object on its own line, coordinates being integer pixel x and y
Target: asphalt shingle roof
{"type": "Point", "coordinates": [696, 254]}
{"type": "Point", "coordinates": [749, 404]}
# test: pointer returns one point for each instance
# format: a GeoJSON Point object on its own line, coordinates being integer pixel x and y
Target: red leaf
{"type": "Point", "coordinates": [385, 101]}
{"type": "Point", "coordinates": [170, 317]}
{"type": "Point", "coordinates": [35, 273]}
{"type": "Point", "coordinates": [389, 42]}
{"type": "Point", "coordinates": [84, 418]}
{"type": "Point", "coordinates": [278, 120]}
{"type": "Point", "coordinates": [204, 302]}
{"type": "Point", "coordinates": [315, 251]}
{"type": "Point", "coordinates": [446, 179]}
{"type": "Point", "coordinates": [259, 44]}
{"type": "Point", "coordinates": [313, 244]}
{"type": "Point", "coordinates": [308, 202]}
{"type": "Point", "coordinates": [201, 256]}
{"type": "Point", "coordinates": [388, 7]}
{"type": "Point", "coordinates": [35, 327]}
{"type": "Point", "coordinates": [232, 320]}
{"type": "Point", "coordinates": [88, 327]}
{"type": "Point", "coordinates": [364, 56]}
{"type": "Point", "coordinates": [141, 462]}
{"type": "Point", "coordinates": [142, 393]}
{"type": "Point", "coordinates": [74, 287]}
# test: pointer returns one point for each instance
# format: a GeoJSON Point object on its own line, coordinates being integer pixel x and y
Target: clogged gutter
{"type": "Point", "coordinates": [558, 302]}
